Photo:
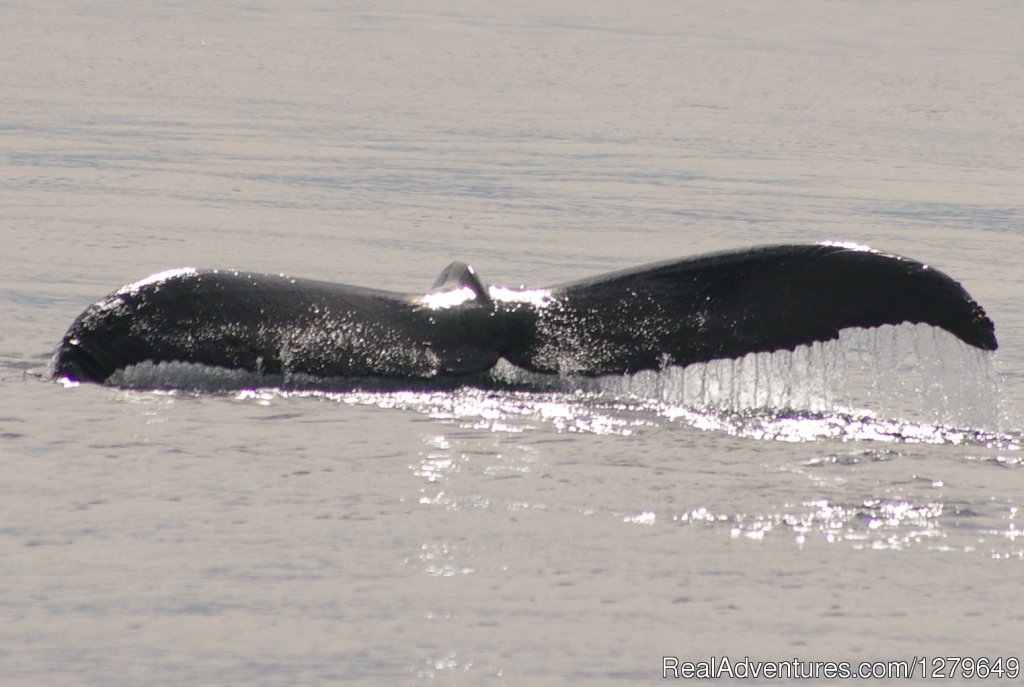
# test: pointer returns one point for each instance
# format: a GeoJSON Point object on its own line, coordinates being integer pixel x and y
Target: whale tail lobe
{"type": "Point", "coordinates": [729, 304]}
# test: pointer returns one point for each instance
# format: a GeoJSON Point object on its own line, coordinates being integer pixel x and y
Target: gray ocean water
{"type": "Point", "coordinates": [573, 534]}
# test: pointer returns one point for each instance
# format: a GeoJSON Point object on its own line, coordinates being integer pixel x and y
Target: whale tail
{"type": "Point", "coordinates": [720, 305]}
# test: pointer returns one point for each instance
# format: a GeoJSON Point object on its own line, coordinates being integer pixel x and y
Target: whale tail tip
{"type": "Point", "coordinates": [72, 361]}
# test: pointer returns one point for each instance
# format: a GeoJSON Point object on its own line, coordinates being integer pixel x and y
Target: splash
{"type": "Point", "coordinates": [906, 383]}
{"type": "Point", "coordinates": [909, 384]}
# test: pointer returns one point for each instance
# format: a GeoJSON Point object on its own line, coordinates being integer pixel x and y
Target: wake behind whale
{"type": "Point", "coordinates": [672, 314]}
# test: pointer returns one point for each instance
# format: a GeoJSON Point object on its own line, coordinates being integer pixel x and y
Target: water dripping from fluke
{"type": "Point", "coordinates": [909, 383]}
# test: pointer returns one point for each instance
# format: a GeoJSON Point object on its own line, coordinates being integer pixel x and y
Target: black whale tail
{"type": "Point", "coordinates": [720, 305]}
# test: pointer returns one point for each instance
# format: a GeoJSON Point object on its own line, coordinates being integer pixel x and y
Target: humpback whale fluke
{"type": "Point", "coordinates": [719, 305]}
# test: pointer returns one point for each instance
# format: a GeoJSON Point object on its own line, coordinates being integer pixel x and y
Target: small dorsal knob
{"type": "Point", "coordinates": [458, 276]}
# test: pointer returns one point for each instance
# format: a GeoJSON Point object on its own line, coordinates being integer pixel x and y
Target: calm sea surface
{"type": "Point", "coordinates": [573, 534]}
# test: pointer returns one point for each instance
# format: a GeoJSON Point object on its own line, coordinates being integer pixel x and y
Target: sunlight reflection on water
{"type": "Point", "coordinates": [870, 524]}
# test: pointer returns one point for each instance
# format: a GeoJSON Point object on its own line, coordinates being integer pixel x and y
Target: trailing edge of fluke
{"type": "Point", "coordinates": [678, 312]}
